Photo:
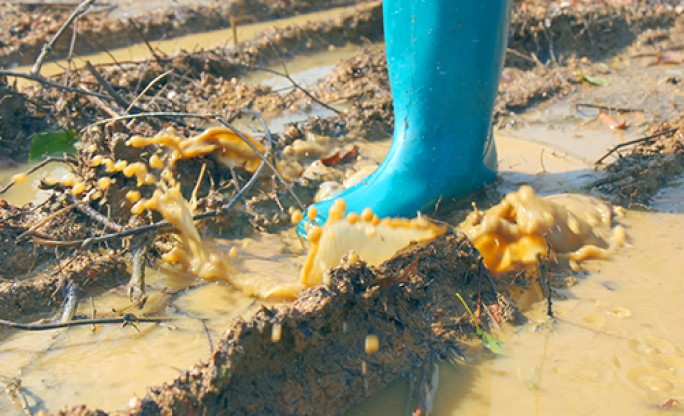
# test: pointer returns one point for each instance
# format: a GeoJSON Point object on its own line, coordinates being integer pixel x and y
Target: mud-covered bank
{"type": "Point", "coordinates": [92, 274]}
{"type": "Point", "coordinates": [320, 364]}
{"type": "Point", "coordinates": [644, 168]}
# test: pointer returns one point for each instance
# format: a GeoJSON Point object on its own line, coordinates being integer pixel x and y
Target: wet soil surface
{"type": "Point", "coordinates": [31, 26]}
{"type": "Point", "coordinates": [555, 59]}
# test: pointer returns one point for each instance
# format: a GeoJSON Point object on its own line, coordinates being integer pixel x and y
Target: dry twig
{"type": "Point", "coordinates": [47, 48]}
{"type": "Point", "coordinates": [147, 42]}
{"type": "Point", "coordinates": [7, 73]}
{"type": "Point", "coordinates": [632, 142]}
{"type": "Point", "coordinates": [126, 319]}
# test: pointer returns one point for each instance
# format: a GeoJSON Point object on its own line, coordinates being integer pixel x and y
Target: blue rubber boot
{"type": "Point", "coordinates": [444, 59]}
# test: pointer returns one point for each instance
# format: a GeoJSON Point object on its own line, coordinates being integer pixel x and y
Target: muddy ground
{"type": "Point", "coordinates": [551, 52]}
{"type": "Point", "coordinates": [31, 26]}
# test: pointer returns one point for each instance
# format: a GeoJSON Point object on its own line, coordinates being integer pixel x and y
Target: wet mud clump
{"type": "Point", "coordinates": [91, 273]}
{"type": "Point", "coordinates": [311, 358]}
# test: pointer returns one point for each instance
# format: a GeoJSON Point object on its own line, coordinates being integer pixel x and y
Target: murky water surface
{"type": "Point", "coordinates": [616, 348]}
{"type": "Point", "coordinates": [618, 344]}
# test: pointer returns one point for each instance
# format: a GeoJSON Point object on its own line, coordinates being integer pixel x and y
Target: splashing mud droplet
{"type": "Point", "coordinates": [516, 231]}
{"type": "Point", "coordinates": [386, 237]}
{"type": "Point", "coordinates": [372, 344]}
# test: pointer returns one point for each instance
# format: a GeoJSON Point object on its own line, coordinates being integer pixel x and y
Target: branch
{"type": "Point", "coordinates": [629, 143]}
{"type": "Point", "coordinates": [147, 43]}
{"type": "Point", "coordinates": [39, 326]}
{"type": "Point", "coordinates": [47, 48]}
{"type": "Point", "coordinates": [4, 72]}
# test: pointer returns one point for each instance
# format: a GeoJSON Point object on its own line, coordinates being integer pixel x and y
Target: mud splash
{"type": "Point", "coordinates": [524, 228]}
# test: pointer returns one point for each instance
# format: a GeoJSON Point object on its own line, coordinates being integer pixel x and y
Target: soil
{"type": "Point", "coordinates": [550, 50]}
{"type": "Point", "coordinates": [647, 167]}
{"type": "Point", "coordinates": [31, 26]}
{"type": "Point", "coordinates": [413, 313]}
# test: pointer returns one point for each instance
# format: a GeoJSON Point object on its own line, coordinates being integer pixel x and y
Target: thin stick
{"type": "Point", "coordinates": [100, 104]}
{"type": "Point", "coordinates": [522, 55]}
{"type": "Point", "coordinates": [4, 72]}
{"type": "Point", "coordinates": [607, 108]}
{"type": "Point", "coordinates": [107, 86]}
{"type": "Point", "coordinates": [147, 43]}
{"type": "Point", "coordinates": [74, 30]}
{"type": "Point", "coordinates": [234, 24]}
{"type": "Point", "coordinates": [38, 326]}
{"type": "Point", "coordinates": [150, 85]}
{"type": "Point", "coordinates": [47, 160]}
{"type": "Point", "coordinates": [93, 312]}
{"type": "Point", "coordinates": [47, 48]}
{"type": "Point", "coordinates": [94, 215]}
{"type": "Point", "coordinates": [299, 87]}
{"type": "Point", "coordinates": [629, 143]}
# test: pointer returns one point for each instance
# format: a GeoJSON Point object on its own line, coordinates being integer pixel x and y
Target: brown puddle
{"type": "Point", "coordinates": [617, 347]}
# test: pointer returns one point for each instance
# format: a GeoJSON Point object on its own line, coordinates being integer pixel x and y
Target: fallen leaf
{"type": "Point", "coordinates": [338, 156]}
{"type": "Point", "coordinates": [52, 143]}
{"type": "Point", "coordinates": [669, 58]}
{"type": "Point", "coordinates": [612, 122]}
{"type": "Point", "coordinates": [668, 404]}
{"type": "Point", "coordinates": [598, 81]}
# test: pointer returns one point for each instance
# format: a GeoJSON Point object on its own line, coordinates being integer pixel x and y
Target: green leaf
{"type": "Point", "coordinates": [598, 81]}
{"type": "Point", "coordinates": [488, 340]}
{"type": "Point", "coordinates": [492, 343]}
{"type": "Point", "coordinates": [52, 143]}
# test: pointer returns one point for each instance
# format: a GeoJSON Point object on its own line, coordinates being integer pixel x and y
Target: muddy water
{"type": "Point", "coordinates": [618, 344]}
{"type": "Point", "coordinates": [28, 191]}
{"type": "Point", "coordinates": [107, 366]}
{"type": "Point", "coordinates": [189, 43]}
{"type": "Point", "coordinates": [617, 347]}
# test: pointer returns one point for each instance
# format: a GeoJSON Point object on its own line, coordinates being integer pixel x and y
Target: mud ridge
{"type": "Point", "coordinates": [316, 366]}
{"type": "Point", "coordinates": [642, 171]}
{"type": "Point", "coordinates": [93, 274]}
